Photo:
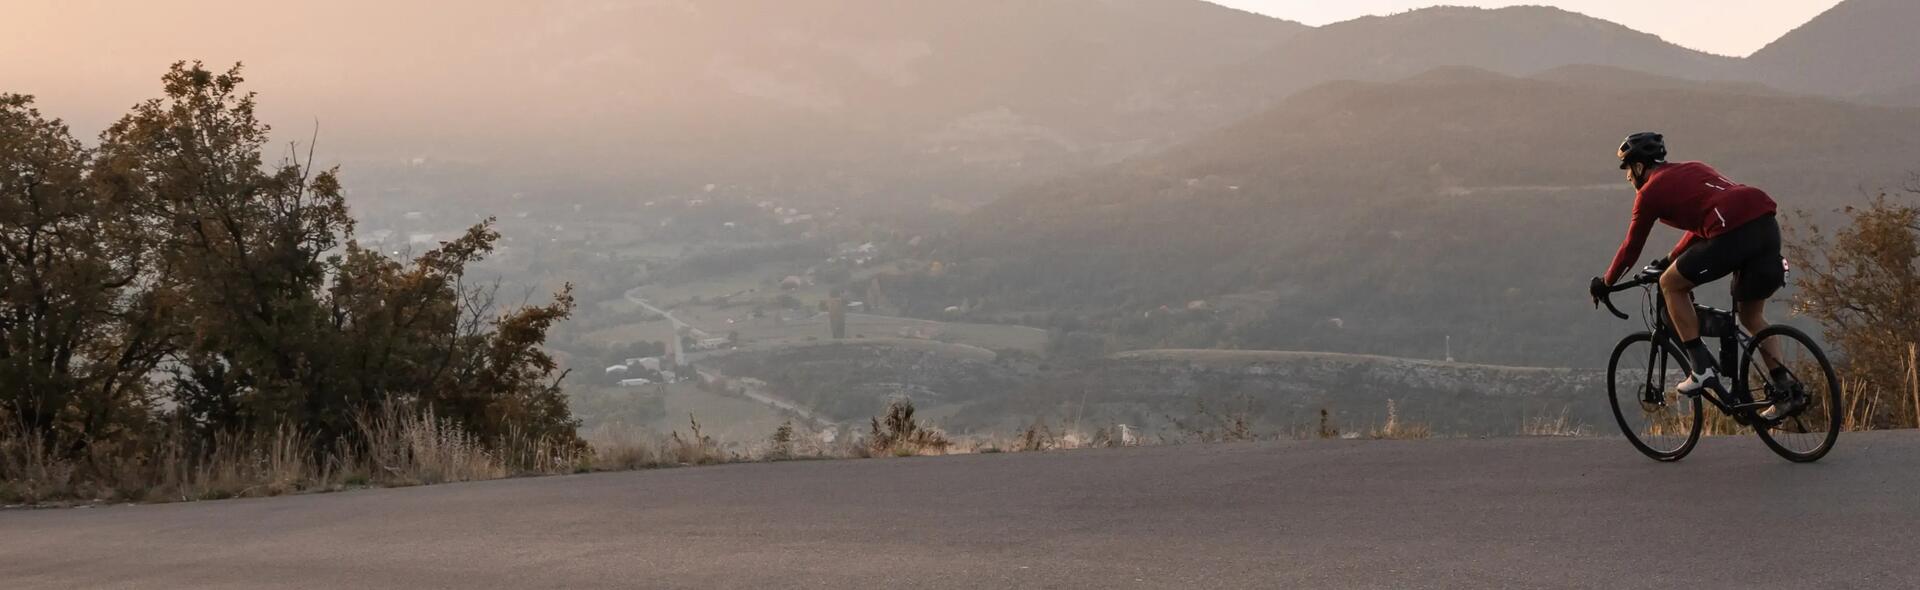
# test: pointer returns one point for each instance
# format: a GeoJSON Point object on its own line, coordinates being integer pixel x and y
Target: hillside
{"type": "Point", "coordinates": [1384, 218]}
{"type": "Point", "coordinates": [839, 97]}
{"type": "Point", "coordinates": [1520, 40]}
{"type": "Point", "coordinates": [1861, 49]}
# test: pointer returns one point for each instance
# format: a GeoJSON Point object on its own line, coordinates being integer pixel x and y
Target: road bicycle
{"type": "Point", "coordinates": [1666, 425]}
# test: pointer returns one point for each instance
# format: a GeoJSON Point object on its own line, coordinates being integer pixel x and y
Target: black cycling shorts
{"type": "Point", "coordinates": [1751, 253]}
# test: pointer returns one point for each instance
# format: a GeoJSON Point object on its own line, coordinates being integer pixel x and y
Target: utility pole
{"type": "Point", "coordinates": [837, 317]}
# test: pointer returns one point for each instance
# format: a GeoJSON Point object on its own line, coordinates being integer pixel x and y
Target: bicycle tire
{"type": "Point", "coordinates": [1690, 405]}
{"type": "Point", "coordinates": [1833, 416]}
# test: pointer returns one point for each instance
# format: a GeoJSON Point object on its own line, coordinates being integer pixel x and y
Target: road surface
{"type": "Point", "coordinates": [677, 324]}
{"type": "Point", "coordinates": [1370, 514]}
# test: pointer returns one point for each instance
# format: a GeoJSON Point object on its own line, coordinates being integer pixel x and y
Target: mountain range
{"type": "Point", "coordinates": [1861, 49]}
{"type": "Point", "coordinates": [855, 100]}
{"type": "Point", "coordinates": [1377, 185]}
{"type": "Point", "coordinates": [1386, 217]}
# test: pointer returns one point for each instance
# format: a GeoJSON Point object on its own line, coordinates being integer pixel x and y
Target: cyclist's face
{"type": "Point", "coordinates": [1636, 174]}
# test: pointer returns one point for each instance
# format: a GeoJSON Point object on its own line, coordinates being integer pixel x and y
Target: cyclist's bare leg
{"type": "Point", "coordinates": [1679, 293]}
{"type": "Point", "coordinates": [1753, 315]}
{"type": "Point", "coordinates": [1686, 325]}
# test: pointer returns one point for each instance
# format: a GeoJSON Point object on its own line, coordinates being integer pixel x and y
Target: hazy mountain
{"type": "Point", "coordinates": [1860, 48]}
{"type": "Point", "coordinates": [1519, 40]}
{"type": "Point", "coordinates": [1456, 203]}
{"type": "Point", "coordinates": [799, 95]}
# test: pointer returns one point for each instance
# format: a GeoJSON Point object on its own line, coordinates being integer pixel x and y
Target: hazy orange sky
{"type": "Point", "coordinates": [387, 68]}
{"type": "Point", "coordinates": [1726, 27]}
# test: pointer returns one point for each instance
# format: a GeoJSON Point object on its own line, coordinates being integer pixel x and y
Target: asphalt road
{"type": "Point", "coordinates": [1446, 513]}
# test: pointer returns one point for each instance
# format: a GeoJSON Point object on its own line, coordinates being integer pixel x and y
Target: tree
{"type": "Point", "coordinates": [171, 277]}
{"type": "Point", "coordinates": [239, 248]}
{"type": "Point", "coordinates": [78, 333]}
{"type": "Point", "coordinates": [1862, 284]}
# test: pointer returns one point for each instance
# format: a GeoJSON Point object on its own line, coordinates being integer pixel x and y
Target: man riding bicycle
{"type": "Point", "coordinates": [1730, 229]}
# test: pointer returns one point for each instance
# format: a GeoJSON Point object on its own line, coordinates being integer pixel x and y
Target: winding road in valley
{"type": "Point", "coordinates": [1512, 513]}
{"type": "Point", "coordinates": [752, 391]}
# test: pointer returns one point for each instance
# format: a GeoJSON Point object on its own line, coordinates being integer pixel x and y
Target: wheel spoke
{"type": "Point", "coordinates": [1810, 432]}
{"type": "Point", "coordinates": [1658, 420]}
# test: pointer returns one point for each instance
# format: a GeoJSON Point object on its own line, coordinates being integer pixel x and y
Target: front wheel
{"type": "Point", "coordinates": [1807, 435]}
{"type": "Point", "coordinates": [1658, 420]}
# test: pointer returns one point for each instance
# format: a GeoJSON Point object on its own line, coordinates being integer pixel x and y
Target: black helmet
{"type": "Point", "coordinates": [1645, 147]}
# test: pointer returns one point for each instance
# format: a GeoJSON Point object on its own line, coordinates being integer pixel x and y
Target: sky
{"type": "Point", "coordinates": [1725, 27]}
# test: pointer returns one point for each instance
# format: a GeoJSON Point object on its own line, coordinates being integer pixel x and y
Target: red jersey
{"type": "Point", "coordinates": [1691, 197]}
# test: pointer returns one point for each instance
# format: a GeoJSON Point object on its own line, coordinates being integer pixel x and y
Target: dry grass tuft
{"type": "Point", "coordinates": [407, 448]}
{"type": "Point", "coordinates": [1207, 426]}
{"type": "Point", "coordinates": [1035, 437]}
{"type": "Point", "coordinates": [618, 447]}
{"type": "Point", "coordinates": [29, 473]}
{"type": "Point", "coordinates": [695, 448]}
{"type": "Point", "coordinates": [400, 448]}
{"type": "Point", "coordinates": [1862, 404]}
{"type": "Point", "coordinates": [1327, 428]}
{"type": "Point", "coordinates": [1398, 429]}
{"type": "Point", "coordinates": [1560, 425]}
{"type": "Point", "coordinates": [1117, 435]}
{"type": "Point", "coordinates": [900, 435]}
{"type": "Point", "coordinates": [780, 444]}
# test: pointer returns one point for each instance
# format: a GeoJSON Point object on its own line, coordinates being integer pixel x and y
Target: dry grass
{"type": "Point", "coordinates": [780, 446]}
{"type": "Point", "coordinates": [1551, 425]}
{"type": "Point", "coordinates": [401, 449]}
{"type": "Point", "coordinates": [617, 447]}
{"type": "Point", "coordinates": [1035, 437]}
{"type": "Point", "coordinates": [1327, 428]}
{"type": "Point", "coordinates": [265, 464]}
{"type": "Point", "coordinates": [899, 434]}
{"type": "Point", "coordinates": [1040, 435]}
{"type": "Point", "coordinates": [1208, 426]}
{"type": "Point", "coordinates": [404, 448]}
{"type": "Point", "coordinates": [1117, 435]}
{"type": "Point", "coordinates": [695, 447]}
{"type": "Point", "coordinates": [1399, 429]}
{"type": "Point", "coordinates": [408, 448]}
{"type": "Point", "coordinates": [29, 473]}
{"type": "Point", "coordinates": [1862, 404]}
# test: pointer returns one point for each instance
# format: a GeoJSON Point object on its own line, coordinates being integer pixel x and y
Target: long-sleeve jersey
{"type": "Point", "coordinates": [1691, 197]}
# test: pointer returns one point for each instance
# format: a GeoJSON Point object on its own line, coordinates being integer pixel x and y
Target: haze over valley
{"type": "Point", "coordinates": [1004, 203]}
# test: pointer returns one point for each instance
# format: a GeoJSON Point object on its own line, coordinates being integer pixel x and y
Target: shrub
{"type": "Point", "coordinates": [898, 434]}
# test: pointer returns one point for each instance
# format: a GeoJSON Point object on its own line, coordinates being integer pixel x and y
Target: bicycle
{"type": "Point", "coordinates": [1665, 424]}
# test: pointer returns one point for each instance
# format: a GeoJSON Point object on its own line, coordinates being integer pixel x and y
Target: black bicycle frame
{"type": "Point", "coordinates": [1731, 343]}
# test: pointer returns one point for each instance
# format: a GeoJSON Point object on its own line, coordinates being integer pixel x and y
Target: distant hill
{"type": "Point", "coordinates": [857, 101]}
{"type": "Point", "coordinates": [839, 97]}
{"type": "Point", "coordinates": [1862, 49]}
{"type": "Point", "coordinates": [1386, 217]}
{"type": "Point", "coordinates": [1521, 40]}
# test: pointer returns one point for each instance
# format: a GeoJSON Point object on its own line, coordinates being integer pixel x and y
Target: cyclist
{"type": "Point", "coordinates": [1730, 229]}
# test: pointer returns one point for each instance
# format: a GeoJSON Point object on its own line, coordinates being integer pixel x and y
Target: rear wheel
{"type": "Point", "coordinates": [1658, 420]}
{"type": "Point", "coordinates": [1807, 435]}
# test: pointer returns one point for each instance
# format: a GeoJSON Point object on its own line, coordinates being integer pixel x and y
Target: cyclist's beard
{"type": "Point", "coordinates": [1640, 180]}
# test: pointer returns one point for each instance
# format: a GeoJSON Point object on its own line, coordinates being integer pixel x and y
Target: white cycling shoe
{"type": "Point", "coordinates": [1793, 399]}
{"type": "Point", "coordinates": [1697, 381]}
